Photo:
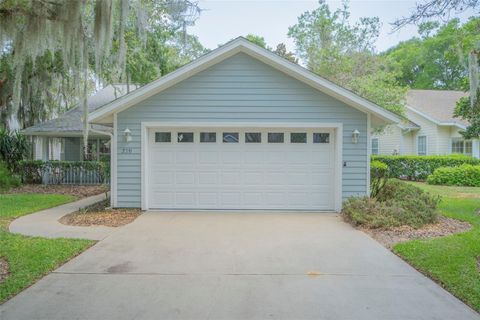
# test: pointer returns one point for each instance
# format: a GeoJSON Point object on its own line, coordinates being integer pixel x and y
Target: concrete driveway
{"type": "Point", "coordinates": [236, 266]}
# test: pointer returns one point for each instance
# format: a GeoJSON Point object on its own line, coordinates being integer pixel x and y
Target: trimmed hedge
{"type": "Point", "coordinates": [32, 171]}
{"type": "Point", "coordinates": [420, 167]}
{"type": "Point", "coordinates": [464, 175]}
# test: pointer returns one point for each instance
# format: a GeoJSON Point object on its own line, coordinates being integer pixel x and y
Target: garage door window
{"type": "Point", "coordinates": [321, 137]}
{"type": "Point", "coordinates": [208, 137]}
{"type": "Point", "coordinates": [253, 137]}
{"type": "Point", "coordinates": [163, 137]}
{"type": "Point", "coordinates": [298, 137]}
{"type": "Point", "coordinates": [185, 137]}
{"type": "Point", "coordinates": [275, 137]}
{"type": "Point", "coordinates": [230, 137]}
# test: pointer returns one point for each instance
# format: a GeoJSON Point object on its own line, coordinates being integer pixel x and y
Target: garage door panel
{"type": "Point", "coordinates": [185, 157]}
{"type": "Point", "coordinates": [275, 157]}
{"type": "Point", "coordinates": [231, 157]}
{"type": "Point", "coordinates": [253, 199]}
{"type": "Point", "coordinates": [162, 157]}
{"type": "Point", "coordinates": [187, 178]}
{"type": "Point", "coordinates": [298, 178]}
{"type": "Point", "coordinates": [207, 178]}
{"type": "Point", "coordinates": [230, 199]}
{"type": "Point", "coordinates": [230, 178]}
{"type": "Point", "coordinates": [185, 199]}
{"type": "Point", "coordinates": [253, 178]}
{"type": "Point", "coordinates": [240, 175]}
{"type": "Point", "coordinates": [162, 178]}
{"type": "Point", "coordinates": [208, 199]}
{"type": "Point", "coordinates": [208, 157]}
{"type": "Point", "coordinates": [254, 157]}
{"type": "Point", "coordinates": [276, 199]}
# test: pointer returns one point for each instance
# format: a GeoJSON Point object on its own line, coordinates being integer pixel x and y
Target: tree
{"type": "Point", "coordinates": [344, 53]}
{"type": "Point", "coordinates": [281, 50]}
{"type": "Point", "coordinates": [437, 60]}
{"type": "Point", "coordinates": [465, 111]}
{"type": "Point", "coordinates": [258, 40]}
{"type": "Point", "coordinates": [429, 9]}
{"type": "Point", "coordinates": [81, 31]}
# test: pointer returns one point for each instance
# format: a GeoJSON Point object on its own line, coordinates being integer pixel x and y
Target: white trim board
{"type": "Point", "coordinates": [238, 45]}
{"type": "Point", "coordinates": [113, 164]}
{"type": "Point", "coordinates": [338, 128]}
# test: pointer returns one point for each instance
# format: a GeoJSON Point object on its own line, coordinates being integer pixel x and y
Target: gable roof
{"type": "Point", "coordinates": [70, 123]}
{"type": "Point", "coordinates": [436, 105]}
{"type": "Point", "coordinates": [104, 114]}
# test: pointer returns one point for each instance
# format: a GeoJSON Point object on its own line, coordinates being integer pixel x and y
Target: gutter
{"type": "Point", "coordinates": [105, 133]}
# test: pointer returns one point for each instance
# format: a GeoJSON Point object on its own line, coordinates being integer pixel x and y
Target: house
{"type": "Point", "coordinates": [62, 137]}
{"type": "Point", "coordinates": [240, 128]}
{"type": "Point", "coordinates": [430, 128]}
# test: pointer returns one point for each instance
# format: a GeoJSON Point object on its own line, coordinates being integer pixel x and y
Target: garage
{"type": "Point", "coordinates": [237, 168]}
{"type": "Point", "coordinates": [240, 128]}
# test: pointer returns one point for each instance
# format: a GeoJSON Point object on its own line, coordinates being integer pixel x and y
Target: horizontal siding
{"type": "Point", "coordinates": [240, 89]}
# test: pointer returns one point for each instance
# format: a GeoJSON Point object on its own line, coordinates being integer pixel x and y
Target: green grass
{"type": "Point", "coordinates": [449, 191]}
{"type": "Point", "coordinates": [30, 258]}
{"type": "Point", "coordinates": [451, 260]}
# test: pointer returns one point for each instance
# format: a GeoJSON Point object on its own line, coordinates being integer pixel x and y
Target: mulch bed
{"type": "Point", "coordinates": [444, 227]}
{"type": "Point", "coordinates": [3, 269]}
{"type": "Point", "coordinates": [74, 190]}
{"type": "Point", "coordinates": [100, 215]}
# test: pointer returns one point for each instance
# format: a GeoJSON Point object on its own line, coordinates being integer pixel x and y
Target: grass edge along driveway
{"type": "Point", "coordinates": [451, 260]}
{"type": "Point", "coordinates": [30, 258]}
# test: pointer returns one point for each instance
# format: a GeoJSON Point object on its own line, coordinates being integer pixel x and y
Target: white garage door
{"type": "Point", "coordinates": [234, 168]}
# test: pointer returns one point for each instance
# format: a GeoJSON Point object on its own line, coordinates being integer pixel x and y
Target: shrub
{"type": "Point", "coordinates": [378, 177]}
{"type": "Point", "coordinates": [14, 147]}
{"type": "Point", "coordinates": [420, 167]}
{"type": "Point", "coordinates": [397, 204]}
{"type": "Point", "coordinates": [7, 180]}
{"type": "Point", "coordinates": [464, 175]}
{"type": "Point", "coordinates": [58, 171]}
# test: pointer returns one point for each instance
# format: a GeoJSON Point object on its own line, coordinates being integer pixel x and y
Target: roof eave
{"type": "Point", "coordinates": [66, 134]}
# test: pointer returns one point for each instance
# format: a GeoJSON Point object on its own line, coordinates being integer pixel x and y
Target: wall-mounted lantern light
{"type": "Point", "coordinates": [355, 136]}
{"type": "Point", "coordinates": [128, 135]}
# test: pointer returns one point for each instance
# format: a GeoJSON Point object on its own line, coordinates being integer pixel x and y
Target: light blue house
{"type": "Point", "coordinates": [238, 129]}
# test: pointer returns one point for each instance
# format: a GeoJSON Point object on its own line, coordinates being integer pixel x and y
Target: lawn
{"type": "Point", "coordinates": [30, 258]}
{"type": "Point", "coordinates": [451, 260]}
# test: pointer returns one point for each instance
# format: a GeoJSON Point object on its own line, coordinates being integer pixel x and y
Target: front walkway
{"type": "Point", "coordinates": [187, 265]}
{"type": "Point", "coordinates": [45, 223]}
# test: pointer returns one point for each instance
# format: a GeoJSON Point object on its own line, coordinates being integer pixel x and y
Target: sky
{"type": "Point", "coordinates": [223, 20]}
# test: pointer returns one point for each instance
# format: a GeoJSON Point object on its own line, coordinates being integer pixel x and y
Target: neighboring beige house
{"type": "Point", "coordinates": [431, 128]}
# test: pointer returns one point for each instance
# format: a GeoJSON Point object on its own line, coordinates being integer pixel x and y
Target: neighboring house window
{"type": "Point", "coordinates": [422, 145]}
{"type": "Point", "coordinates": [97, 149]}
{"type": "Point", "coordinates": [375, 146]}
{"type": "Point", "coordinates": [462, 146]}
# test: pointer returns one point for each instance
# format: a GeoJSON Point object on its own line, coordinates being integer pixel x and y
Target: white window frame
{"type": "Point", "coordinates": [464, 146]}
{"type": "Point", "coordinates": [377, 148]}
{"type": "Point", "coordinates": [418, 145]}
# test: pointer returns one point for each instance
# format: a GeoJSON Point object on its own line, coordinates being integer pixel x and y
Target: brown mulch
{"type": "Point", "coordinates": [3, 269]}
{"type": "Point", "coordinates": [100, 215]}
{"type": "Point", "coordinates": [444, 227]}
{"type": "Point", "coordinates": [74, 190]}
